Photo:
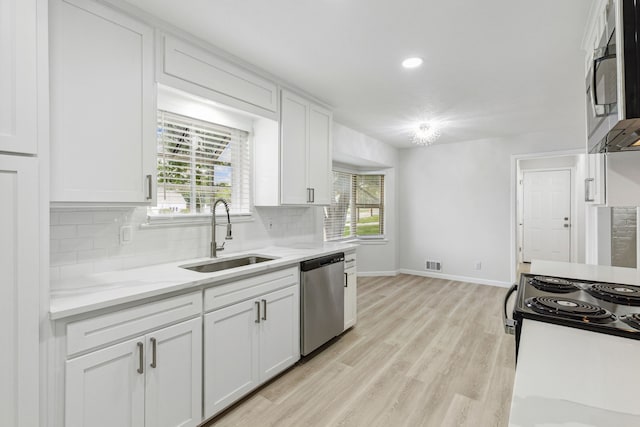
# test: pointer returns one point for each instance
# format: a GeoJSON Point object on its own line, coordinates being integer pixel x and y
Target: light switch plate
{"type": "Point", "coordinates": [126, 234]}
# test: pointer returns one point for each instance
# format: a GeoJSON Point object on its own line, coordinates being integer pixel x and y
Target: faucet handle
{"type": "Point", "coordinates": [221, 248]}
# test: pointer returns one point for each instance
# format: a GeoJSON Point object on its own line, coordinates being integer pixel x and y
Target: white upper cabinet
{"type": "Point", "coordinates": [319, 163]}
{"type": "Point", "coordinates": [294, 129]}
{"type": "Point", "coordinates": [196, 70]}
{"type": "Point", "coordinates": [103, 105]}
{"type": "Point", "coordinates": [623, 179]}
{"type": "Point", "coordinates": [304, 167]}
{"type": "Point", "coordinates": [595, 182]}
{"type": "Point", "coordinates": [18, 91]}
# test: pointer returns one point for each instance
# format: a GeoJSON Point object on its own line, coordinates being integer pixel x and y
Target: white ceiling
{"type": "Point", "coordinates": [493, 68]}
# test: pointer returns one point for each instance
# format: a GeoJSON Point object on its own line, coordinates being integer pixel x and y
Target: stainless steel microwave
{"type": "Point", "coordinates": [613, 82]}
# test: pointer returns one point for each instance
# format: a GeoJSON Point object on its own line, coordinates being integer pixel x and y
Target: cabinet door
{"type": "Point", "coordinates": [174, 375]}
{"type": "Point", "coordinates": [623, 179]}
{"type": "Point", "coordinates": [319, 164]}
{"type": "Point", "coordinates": [19, 291]}
{"type": "Point", "coordinates": [103, 108]}
{"type": "Point", "coordinates": [279, 331]}
{"type": "Point", "coordinates": [18, 113]}
{"type": "Point", "coordinates": [294, 128]}
{"type": "Point", "coordinates": [230, 355]}
{"type": "Point", "coordinates": [105, 388]}
{"type": "Point", "coordinates": [350, 298]}
{"type": "Point", "coordinates": [595, 182]}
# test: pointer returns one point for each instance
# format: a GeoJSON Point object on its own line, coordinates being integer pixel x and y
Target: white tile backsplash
{"type": "Point", "coordinates": [85, 241]}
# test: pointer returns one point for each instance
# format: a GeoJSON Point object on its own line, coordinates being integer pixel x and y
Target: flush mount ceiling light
{"type": "Point", "coordinates": [412, 62]}
{"type": "Point", "coordinates": [425, 134]}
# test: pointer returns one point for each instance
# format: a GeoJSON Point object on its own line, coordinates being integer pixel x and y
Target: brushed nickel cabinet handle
{"type": "Point", "coordinates": [313, 195]}
{"type": "Point", "coordinates": [587, 190]}
{"type": "Point", "coordinates": [149, 187]}
{"type": "Point", "coordinates": [264, 306]}
{"type": "Point", "coordinates": [346, 280]}
{"type": "Point", "coordinates": [153, 353]}
{"type": "Point", "coordinates": [141, 356]}
{"type": "Point", "coordinates": [257, 303]}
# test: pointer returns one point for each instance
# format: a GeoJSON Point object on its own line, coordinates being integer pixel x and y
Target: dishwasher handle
{"type": "Point", "coordinates": [315, 263]}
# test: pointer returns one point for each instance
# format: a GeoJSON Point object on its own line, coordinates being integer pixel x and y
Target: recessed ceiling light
{"type": "Point", "coordinates": [412, 62]}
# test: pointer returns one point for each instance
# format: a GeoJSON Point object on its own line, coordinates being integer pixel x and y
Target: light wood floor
{"type": "Point", "coordinates": [425, 352]}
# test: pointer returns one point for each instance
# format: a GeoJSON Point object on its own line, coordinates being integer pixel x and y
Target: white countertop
{"type": "Point", "coordinates": [601, 273]}
{"type": "Point", "coordinates": [96, 291]}
{"type": "Point", "coordinates": [567, 377]}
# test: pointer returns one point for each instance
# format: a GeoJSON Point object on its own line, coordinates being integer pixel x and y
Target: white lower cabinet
{"type": "Point", "coordinates": [230, 355]}
{"type": "Point", "coordinates": [144, 366]}
{"type": "Point", "coordinates": [250, 341]}
{"type": "Point", "coordinates": [350, 291]}
{"type": "Point", "coordinates": [173, 389]}
{"type": "Point", "coordinates": [152, 380]}
{"type": "Point", "coordinates": [104, 388]}
{"type": "Point", "coordinates": [279, 331]}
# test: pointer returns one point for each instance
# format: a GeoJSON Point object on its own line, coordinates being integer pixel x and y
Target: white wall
{"type": "Point", "coordinates": [359, 151]}
{"type": "Point", "coordinates": [455, 203]}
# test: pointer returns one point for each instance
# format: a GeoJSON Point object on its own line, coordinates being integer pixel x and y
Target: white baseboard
{"type": "Point", "coordinates": [456, 278]}
{"type": "Point", "coordinates": [377, 273]}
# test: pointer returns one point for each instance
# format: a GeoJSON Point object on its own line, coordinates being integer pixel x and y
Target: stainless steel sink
{"type": "Point", "coordinates": [225, 264]}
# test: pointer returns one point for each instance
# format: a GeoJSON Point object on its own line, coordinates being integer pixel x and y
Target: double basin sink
{"type": "Point", "coordinates": [227, 263]}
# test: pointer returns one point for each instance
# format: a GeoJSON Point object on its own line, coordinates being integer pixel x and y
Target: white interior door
{"type": "Point", "coordinates": [547, 215]}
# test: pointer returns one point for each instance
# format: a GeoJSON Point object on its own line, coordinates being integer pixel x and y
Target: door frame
{"type": "Point", "coordinates": [573, 235]}
{"type": "Point", "coordinates": [513, 199]}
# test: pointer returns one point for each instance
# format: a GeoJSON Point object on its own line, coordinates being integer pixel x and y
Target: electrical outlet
{"type": "Point", "coordinates": [478, 265]}
{"type": "Point", "coordinates": [126, 234]}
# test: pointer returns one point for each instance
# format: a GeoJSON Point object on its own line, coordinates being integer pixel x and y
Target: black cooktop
{"type": "Point", "coordinates": [608, 308]}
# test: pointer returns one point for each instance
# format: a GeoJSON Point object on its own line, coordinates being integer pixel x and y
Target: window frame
{"type": "Point", "coordinates": [189, 219]}
{"type": "Point", "coordinates": [377, 238]}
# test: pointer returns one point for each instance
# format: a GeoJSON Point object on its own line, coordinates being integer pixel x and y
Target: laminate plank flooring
{"type": "Point", "coordinates": [425, 352]}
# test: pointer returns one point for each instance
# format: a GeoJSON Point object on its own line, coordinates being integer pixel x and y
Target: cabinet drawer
{"type": "Point", "coordinates": [100, 330]}
{"type": "Point", "coordinates": [349, 260]}
{"type": "Point", "coordinates": [230, 293]}
{"type": "Point", "coordinates": [203, 70]}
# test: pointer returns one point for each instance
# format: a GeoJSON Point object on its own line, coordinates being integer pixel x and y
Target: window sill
{"type": "Point", "coordinates": [364, 241]}
{"type": "Point", "coordinates": [161, 221]}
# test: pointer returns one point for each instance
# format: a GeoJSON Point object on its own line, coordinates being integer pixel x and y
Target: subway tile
{"type": "Point", "coordinates": [112, 264]}
{"type": "Point", "coordinates": [97, 230]}
{"type": "Point", "coordinates": [76, 218]}
{"type": "Point", "coordinates": [68, 245]}
{"type": "Point", "coordinates": [105, 217]}
{"type": "Point", "coordinates": [75, 270]}
{"type": "Point", "coordinates": [62, 258]}
{"type": "Point", "coordinates": [92, 255]}
{"type": "Point", "coordinates": [54, 218]}
{"type": "Point", "coordinates": [63, 231]}
{"type": "Point", "coordinates": [54, 273]}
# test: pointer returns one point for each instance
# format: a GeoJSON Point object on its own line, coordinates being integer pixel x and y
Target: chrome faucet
{"type": "Point", "coordinates": [214, 245]}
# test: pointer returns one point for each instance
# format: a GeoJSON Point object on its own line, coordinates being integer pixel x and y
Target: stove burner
{"type": "Point", "coordinates": [553, 284]}
{"type": "Point", "coordinates": [616, 293]}
{"type": "Point", "coordinates": [632, 320]}
{"type": "Point", "coordinates": [569, 308]}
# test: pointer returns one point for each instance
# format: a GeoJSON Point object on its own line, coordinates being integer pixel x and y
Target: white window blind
{"type": "Point", "coordinates": [199, 162]}
{"type": "Point", "coordinates": [357, 207]}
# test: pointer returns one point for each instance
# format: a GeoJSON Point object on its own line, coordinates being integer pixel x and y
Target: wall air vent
{"type": "Point", "coordinates": [432, 265]}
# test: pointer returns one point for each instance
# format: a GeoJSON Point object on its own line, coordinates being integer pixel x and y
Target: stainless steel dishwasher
{"type": "Point", "coordinates": [322, 301]}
